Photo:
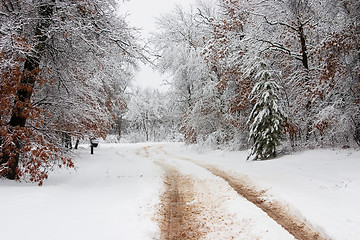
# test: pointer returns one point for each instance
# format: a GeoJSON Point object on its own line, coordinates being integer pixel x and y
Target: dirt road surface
{"type": "Point", "coordinates": [196, 200]}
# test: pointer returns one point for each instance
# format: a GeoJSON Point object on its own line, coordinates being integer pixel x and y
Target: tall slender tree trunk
{"type": "Point", "coordinates": [119, 126]}
{"type": "Point", "coordinates": [305, 59]}
{"type": "Point", "coordinates": [305, 63]}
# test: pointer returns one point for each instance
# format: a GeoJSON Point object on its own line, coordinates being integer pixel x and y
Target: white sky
{"type": "Point", "coordinates": [143, 14]}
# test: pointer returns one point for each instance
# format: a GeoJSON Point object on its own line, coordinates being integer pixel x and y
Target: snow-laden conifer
{"type": "Point", "coordinates": [266, 117]}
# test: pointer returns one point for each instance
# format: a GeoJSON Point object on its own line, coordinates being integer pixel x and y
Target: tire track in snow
{"type": "Point", "coordinates": [193, 208]}
{"type": "Point", "coordinates": [177, 218]}
{"type": "Point", "coordinates": [188, 210]}
{"type": "Point", "coordinates": [294, 225]}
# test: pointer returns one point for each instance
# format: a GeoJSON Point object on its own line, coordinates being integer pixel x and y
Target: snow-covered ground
{"type": "Point", "coordinates": [110, 196]}
{"type": "Point", "coordinates": [322, 186]}
{"type": "Point", "coordinates": [115, 193]}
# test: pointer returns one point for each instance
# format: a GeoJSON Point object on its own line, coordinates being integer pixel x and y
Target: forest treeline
{"type": "Point", "coordinates": [307, 52]}
{"type": "Point", "coordinates": [242, 73]}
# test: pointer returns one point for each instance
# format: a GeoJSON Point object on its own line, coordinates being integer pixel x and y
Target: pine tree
{"type": "Point", "coordinates": [266, 117]}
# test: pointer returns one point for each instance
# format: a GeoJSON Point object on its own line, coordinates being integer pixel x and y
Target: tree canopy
{"type": "Point", "coordinates": [61, 65]}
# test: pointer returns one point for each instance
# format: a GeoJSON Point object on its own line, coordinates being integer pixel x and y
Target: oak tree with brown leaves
{"type": "Point", "coordinates": [58, 61]}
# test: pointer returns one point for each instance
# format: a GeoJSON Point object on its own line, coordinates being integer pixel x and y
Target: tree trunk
{"type": "Point", "coordinates": [23, 95]}
{"type": "Point", "coordinates": [119, 125]}
{"type": "Point", "coordinates": [19, 116]}
{"type": "Point", "coordinates": [305, 63]}
{"type": "Point", "coordinates": [67, 140]}
{"type": "Point", "coordinates": [304, 60]}
{"type": "Point", "coordinates": [77, 143]}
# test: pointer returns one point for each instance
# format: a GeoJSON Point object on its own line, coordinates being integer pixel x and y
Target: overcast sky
{"type": "Point", "coordinates": [142, 14]}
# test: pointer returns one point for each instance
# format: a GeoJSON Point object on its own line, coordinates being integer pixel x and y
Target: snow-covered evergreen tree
{"type": "Point", "coordinates": [266, 117]}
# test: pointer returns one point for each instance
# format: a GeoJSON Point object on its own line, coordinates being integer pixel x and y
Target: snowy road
{"type": "Point", "coordinates": [201, 202]}
{"type": "Point", "coordinates": [155, 191]}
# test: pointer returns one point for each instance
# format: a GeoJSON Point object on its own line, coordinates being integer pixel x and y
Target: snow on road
{"type": "Point", "coordinates": [111, 195]}
{"type": "Point", "coordinates": [118, 192]}
{"type": "Point", "coordinates": [217, 211]}
{"type": "Point", "coordinates": [321, 186]}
